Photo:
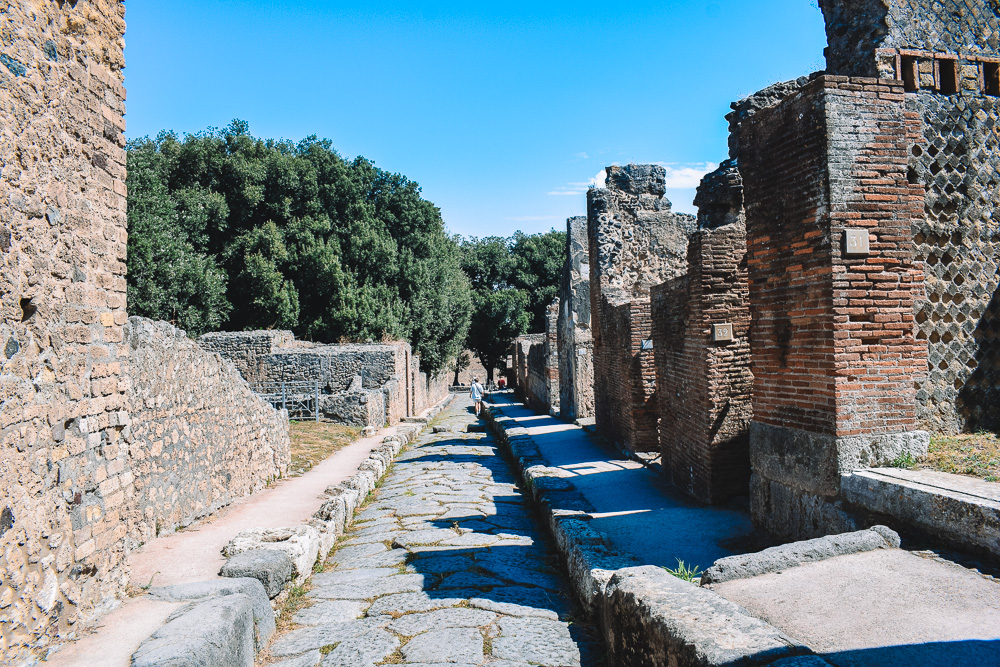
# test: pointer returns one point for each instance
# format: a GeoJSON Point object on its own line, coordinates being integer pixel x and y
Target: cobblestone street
{"type": "Point", "coordinates": [446, 566]}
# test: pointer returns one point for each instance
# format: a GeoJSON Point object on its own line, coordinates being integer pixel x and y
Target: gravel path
{"type": "Point", "coordinates": [447, 566]}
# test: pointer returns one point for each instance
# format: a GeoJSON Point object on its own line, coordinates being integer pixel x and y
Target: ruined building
{"type": "Point", "coordinates": [100, 415]}
{"type": "Point", "coordinates": [575, 341]}
{"type": "Point", "coordinates": [872, 252]}
{"type": "Point", "coordinates": [359, 385]}
{"type": "Point", "coordinates": [636, 241]}
{"type": "Point", "coordinates": [701, 327]}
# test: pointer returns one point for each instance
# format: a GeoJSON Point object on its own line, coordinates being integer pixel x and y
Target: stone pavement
{"type": "Point", "coordinates": [447, 565]}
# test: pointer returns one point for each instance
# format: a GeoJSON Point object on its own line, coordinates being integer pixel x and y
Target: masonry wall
{"type": "Point", "coordinates": [63, 412]}
{"type": "Point", "coordinates": [948, 54]}
{"type": "Point", "coordinates": [265, 357]}
{"type": "Point", "coordinates": [636, 241]}
{"type": "Point", "coordinates": [704, 387]}
{"type": "Point", "coordinates": [574, 339]}
{"type": "Point", "coordinates": [626, 373]}
{"type": "Point", "coordinates": [835, 359]}
{"type": "Point", "coordinates": [201, 437]}
{"type": "Point", "coordinates": [529, 360]}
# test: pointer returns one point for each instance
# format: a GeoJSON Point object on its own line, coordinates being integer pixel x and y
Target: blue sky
{"type": "Point", "coordinates": [503, 112]}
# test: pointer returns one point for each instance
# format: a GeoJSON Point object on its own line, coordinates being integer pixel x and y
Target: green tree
{"type": "Point", "coordinates": [230, 231]}
{"type": "Point", "coordinates": [538, 263]}
{"type": "Point", "coordinates": [168, 278]}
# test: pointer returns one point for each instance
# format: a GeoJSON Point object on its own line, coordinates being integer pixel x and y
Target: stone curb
{"type": "Point", "coordinates": [227, 619]}
{"type": "Point", "coordinates": [785, 556]}
{"type": "Point", "coordinates": [647, 616]}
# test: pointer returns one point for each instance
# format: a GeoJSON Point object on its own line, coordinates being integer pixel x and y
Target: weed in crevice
{"type": "Point", "coordinates": [904, 460]}
{"type": "Point", "coordinates": [685, 572]}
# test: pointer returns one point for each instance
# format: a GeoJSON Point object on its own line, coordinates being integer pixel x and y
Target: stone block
{"type": "Point", "coordinates": [261, 614]}
{"type": "Point", "coordinates": [301, 543]}
{"type": "Point", "coordinates": [650, 617]}
{"type": "Point", "coordinates": [780, 558]}
{"type": "Point", "coordinates": [218, 632]}
{"type": "Point", "coordinates": [270, 567]}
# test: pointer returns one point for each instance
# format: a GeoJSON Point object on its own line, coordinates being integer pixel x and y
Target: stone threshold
{"type": "Point", "coordinates": [960, 511]}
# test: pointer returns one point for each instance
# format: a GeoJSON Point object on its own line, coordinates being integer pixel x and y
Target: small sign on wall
{"type": "Point", "coordinates": [856, 243]}
{"type": "Point", "coordinates": [722, 333]}
{"type": "Point", "coordinates": [647, 344]}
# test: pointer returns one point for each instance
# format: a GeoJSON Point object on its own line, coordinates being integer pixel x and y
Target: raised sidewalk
{"type": "Point", "coordinates": [195, 553]}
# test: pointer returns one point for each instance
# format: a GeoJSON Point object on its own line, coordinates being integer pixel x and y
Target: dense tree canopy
{"type": "Point", "coordinates": [227, 231]}
{"type": "Point", "coordinates": [513, 280]}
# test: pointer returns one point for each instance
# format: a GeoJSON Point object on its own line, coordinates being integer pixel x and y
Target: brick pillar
{"type": "Point", "coordinates": [835, 357]}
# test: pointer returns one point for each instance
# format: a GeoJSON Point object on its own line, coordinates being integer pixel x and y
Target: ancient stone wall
{"type": "Point", "coordinates": [948, 56]}
{"type": "Point", "coordinates": [265, 357]}
{"type": "Point", "coordinates": [636, 241]}
{"type": "Point", "coordinates": [529, 351]}
{"type": "Point", "coordinates": [701, 326]}
{"type": "Point", "coordinates": [63, 409]}
{"type": "Point", "coordinates": [575, 341]}
{"type": "Point", "coordinates": [835, 356]}
{"type": "Point", "coordinates": [200, 437]}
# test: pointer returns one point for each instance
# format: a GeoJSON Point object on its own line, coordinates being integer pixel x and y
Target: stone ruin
{"type": "Point", "coordinates": [364, 385]}
{"type": "Point", "coordinates": [702, 350]}
{"type": "Point", "coordinates": [837, 297]}
{"type": "Point", "coordinates": [574, 338]}
{"type": "Point", "coordinates": [636, 241]}
{"type": "Point", "coordinates": [112, 429]}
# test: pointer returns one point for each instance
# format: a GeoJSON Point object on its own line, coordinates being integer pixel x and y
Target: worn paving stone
{"type": "Point", "coordinates": [414, 624]}
{"type": "Point", "coordinates": [330, 612]}
{"type": "Point", "coordinates": [367, 589]}
{"type": "Point", "coordinates": [364, 650]}
{"type": "Point", "coordinates": [540, 641]}
{"type": "Point", "coordinates": [469, 580]}
{"type": "Point", "coordinates": [448, 550]}
{"type": "Point", "coordinates": [446, 645]}
{"type": "Point", "coordinates": [299, 641]}
{"type": "Point", "coordinates": [405, 603]}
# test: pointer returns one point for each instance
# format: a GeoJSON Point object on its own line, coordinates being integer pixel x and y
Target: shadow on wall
{"type": "Point", "coordinates": [979, 398]}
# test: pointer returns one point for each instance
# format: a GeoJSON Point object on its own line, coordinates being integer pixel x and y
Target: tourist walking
{"type": "Point", "coordinates": [476, 394]}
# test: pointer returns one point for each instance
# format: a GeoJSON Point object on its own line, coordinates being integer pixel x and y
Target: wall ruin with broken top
{"type": "Point", "coordinates": [360, 384]}
{"type": "Point", "coordinates": [704, 385]}
{"type": "Point", "coordinates": [574, 340]}
{"type": "Point", "coordinates": [947, 54]}
{"type": "Point", "coordinates": [636, 241]}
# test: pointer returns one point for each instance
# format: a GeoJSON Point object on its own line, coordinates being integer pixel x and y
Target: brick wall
{"type": "Point", "coordinates": [635, 241]}
{"type": "Point", "coordinates": [625, 374]}
{"type": "Point", "coordinates": [62, 384]}
{"type": "Point", "coordinates": [835, 358]}
{"type": "Point", "coordinates": [574, 339]}
{"type": "Point", "coordinates": [704, 387]}
{"type": "Point", "coordinates": [948, 54]}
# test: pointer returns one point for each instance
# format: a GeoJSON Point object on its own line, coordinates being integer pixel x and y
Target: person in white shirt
{"type": "Point", "coordinates": [476, 394]}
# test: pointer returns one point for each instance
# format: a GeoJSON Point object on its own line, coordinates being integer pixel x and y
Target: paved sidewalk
{"type": "Point", "coordinates": [447, 566]}
{"type": "Point", "coordinates": [638, 513]}
{"type": "Point", "coordinates": [195, 554]}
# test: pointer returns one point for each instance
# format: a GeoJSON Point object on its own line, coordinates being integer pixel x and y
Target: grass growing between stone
{"type": "Point", "coordinates": [971, 454]}
{"type": "Point", "coordinates": [312, 442]}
